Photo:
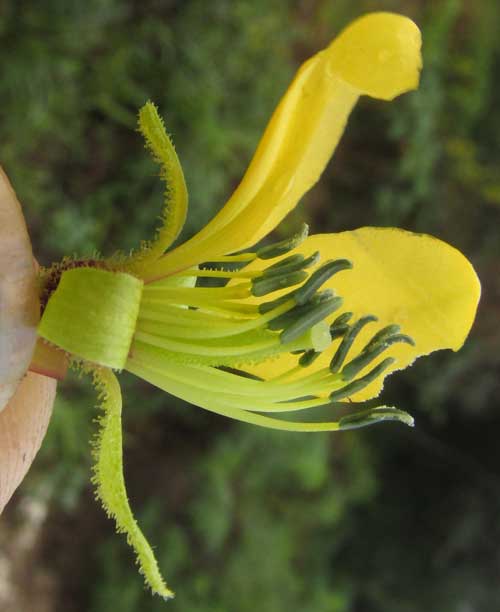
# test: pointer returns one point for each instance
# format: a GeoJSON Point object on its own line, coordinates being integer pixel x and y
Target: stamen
{"type": "Point", "coordinates": [339, 326]}
{"type": "Point", "coordinates": [247, 345]}
{"type": "Point", "coordinates": [381, 335]}
{"type": "Point", "coordinates": [338, 331]}
{"type": "Point", "coordinates": [187, 316]}
{"type": "Point", "coordinates": [267, 306]}
{"type": "Point", "coordinates": [250, 347]}
{"type": "Point", "coordinates": [320, 276]}
{"type": "Point", "coordinates": [187, 326]}
{"type": "Point", "coordinates": [295, 262]}
{"type": "Point", "coordinates": [287, 261]}
{"type": "Point", "coordinates": [342, 319]}
{"type": "Point", "coordinates": [243, 392]}
{"type": "Point", "coordinates": [371, 352]}
{"type": "Point", "coordinates": [262, 286]}
{"type": "Point", "coordinates": [399, 338]}
{"type": "Point", "coordinates": [226, 308]}
{"type": "Point", "coordinates": [213, 298]}
{"type": "Point", "coordinates": [347, 341]}
{"type": "Point", "coordinates": [361, 383]}
{"type": "Point", "coordinates": [283, 246]}
{"type": "Point", "coordinates": [308, 358]}
{"type": "Point", "coordinates": [373, 416]}
{"type": "Point", "coordinates": [179, 382]}
{"type": "Point", "coordinates": [205, 314]}
{"type": "Point", "coordinates": [298, 311]}
{"type": "Point", "coordinates": [306, 321]}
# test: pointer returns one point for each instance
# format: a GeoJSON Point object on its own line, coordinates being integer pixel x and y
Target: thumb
{"type": "Point", "coordinates": [30, 397]}
{"type": "Point", "coordinates": [23, 424]}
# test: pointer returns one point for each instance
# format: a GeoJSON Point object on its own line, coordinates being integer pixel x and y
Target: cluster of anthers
{"type": "Point", "coordinates": [214, 339]}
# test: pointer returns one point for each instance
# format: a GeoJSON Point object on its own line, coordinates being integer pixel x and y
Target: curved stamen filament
{"type": "Point", "coordinates": [240, 388]}
{"type": "Point", "coordinates": [251, 346]}
{"type": "Point", "coordinates": [176, 315]}
{"type": "Point", "coordinates": [184, 295]}
{"type": "Point", "coordinates": [213, 402]}
{"type": "Point", "coordinates": [191, 328]}
{"type": "Point", "coordinates": [183, 376]}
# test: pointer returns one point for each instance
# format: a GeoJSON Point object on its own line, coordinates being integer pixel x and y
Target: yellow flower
{"type": "Point", "coordinates": [306, 322]}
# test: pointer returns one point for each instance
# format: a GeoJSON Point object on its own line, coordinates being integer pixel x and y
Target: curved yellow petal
{"type": "Point", "coordinates": [377, 55]}
{"type": "Point", "coordinates": [419, 282]}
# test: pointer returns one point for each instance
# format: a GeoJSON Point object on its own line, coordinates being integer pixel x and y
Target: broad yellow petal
{"type": "Point", "coordinates": [377, 55]}
{"type": "Point", "coordinates": [419, 282]}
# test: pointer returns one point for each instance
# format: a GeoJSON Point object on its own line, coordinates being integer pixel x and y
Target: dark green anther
{"type": "Point", "coordinates": [287, 318]}
{"type": "Point", "coordinates": [345, 317]}
{"type": "Point", "coordinates": [262, 286]}
{"type": "Point", "coordinates": [381, 335]}
{"type": "Point", "coordinates": [361, 383]}
{"type": "Point", "coordinates": [271, 305]}
{"type": "Point", "coordinates": [338, 331]}
{"type": "Point", "coordinates": [303, 263]}
{"type": "Point", "coordinates": [308, 358]}
{"type": "Point", "coordinates": [369, 353]}
{"type": "Point", "coordinates": [284, 246]}
{"type": "Point", "coordinates": [398, 338]}
{"type": "Point", "coordinates": [305, 322]}
{"type": "Point", "coordinates": [347, 341]}
{"type": "Point", "coordinates": [320, 276]}
{"type": "Point", "coordinates": [339, 326]}
{"type": "Point", "coordinates": [287, 261]}
{"type": "Point", "coordinates": [373, 416]}
{"type": "Point", "coordinates": [295, 313]}
{"type": "Point", "coordinates": [350, 370]}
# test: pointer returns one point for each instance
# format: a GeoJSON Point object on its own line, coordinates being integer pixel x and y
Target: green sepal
{"type": "Point", "coordinates": [110, 482]}
{"type": "Point", "coordinates": [176, 195]}
{"type": "Point", "coordinates": [92, 315]}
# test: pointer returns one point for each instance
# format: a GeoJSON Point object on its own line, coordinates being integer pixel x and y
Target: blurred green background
{"type": "Point", "coordinates": [243, 519]}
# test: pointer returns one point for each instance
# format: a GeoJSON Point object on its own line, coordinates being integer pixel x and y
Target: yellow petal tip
{"type": "Point", "coordinates": [378, 54]}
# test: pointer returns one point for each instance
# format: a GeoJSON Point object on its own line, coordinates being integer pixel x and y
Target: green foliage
{"type": "Point", "coordinates": [246, 494]}
{"type": "Point", "coordinates": [108, 478]}
{"type": "Point", "coordinates": [73, 78]}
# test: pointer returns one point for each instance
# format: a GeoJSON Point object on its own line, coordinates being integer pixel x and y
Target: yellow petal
{"type": "Point", "coordinates": [377, 55]}
{"type": "Point", "coordinates": [419, 282]}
